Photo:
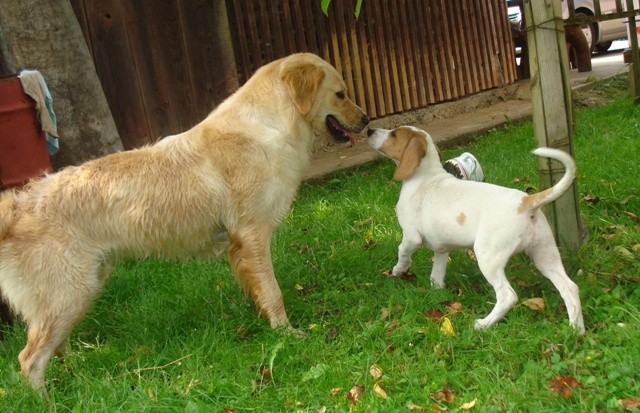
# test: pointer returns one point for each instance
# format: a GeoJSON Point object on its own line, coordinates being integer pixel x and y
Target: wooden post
{"type": "Point", "coordinates": [635, 53]}
{"type": "Point", "coordinates": [552, 110]}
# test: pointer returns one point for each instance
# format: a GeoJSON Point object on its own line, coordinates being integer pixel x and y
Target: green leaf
{"type": "Point", "coordinates": [358, 9]}
{"type": "Point", "coordinates": [324, 5]}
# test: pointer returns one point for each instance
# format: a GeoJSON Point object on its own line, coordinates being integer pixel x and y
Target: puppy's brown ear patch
{"type": "Point", "coordinates": [302, 82]}
{"type": "Point", "coordinates": [411, 157]}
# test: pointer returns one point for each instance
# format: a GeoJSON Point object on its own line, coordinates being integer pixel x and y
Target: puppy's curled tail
{"type": "Point", "coordinates": [551, 194]}
{"type": "Point", "coordinates": [6, 212]}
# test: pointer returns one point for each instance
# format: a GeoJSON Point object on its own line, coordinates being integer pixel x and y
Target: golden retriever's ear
{"type": "Point", "coordinates": [302, 83]}
{"type": "Point", "coordinates": [411, 157]}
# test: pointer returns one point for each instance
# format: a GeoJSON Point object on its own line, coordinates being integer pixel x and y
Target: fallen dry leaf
{"type": "Point", "coordinates": [335, 391]}
{"type": "Point", "coordinates": [591, 199]}
{"type": "Point", "coordinates": [355, 393]}
{"type": "Point", "coordinates": [434, 315]}
{"type": "Point", "coordinates": [331, 334]}
{"type": "Point", "coordinates": [151, 394]}
{"type": "Point", "coordinates": [375, 371]}
{"type": "Point", "coordinates": [629, 404]}
{"type": "Point", "coordinates": [384, 313]}
{"type": "Point", "coordinates": [468, 405]}
{"type": "Point", "coordinates": [228, 410]}
{"type": "Point", "coordinates": [564, 385]}
{"type": "Point", "coordinates": [445, 395]}
{"type": "Point", "coordinates": [243, 331]}
{"type": "Point", "coordinates": [415, 408]}
{"type": "Point", "coordinates": [447, 327]}
{"type": "Point", "coordinates": [632, 216]}
{"type": "Point", "coordinates": [536, 303]}
{"type": "Point", "coordinates": [392, 325]}
{"type": "Point", "coordinates": [624, 253]}
{"type": "Point", "coordinates": [452, 306]}
{"type": "Point", "coordinates": [436, 408]}
{"type": "Point", "coordinates": [265, 373]}
{"type": "Point", "coordinates": [379, 390]}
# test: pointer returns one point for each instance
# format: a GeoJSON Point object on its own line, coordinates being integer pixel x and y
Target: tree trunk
{"type": "Point", "coordinates": [45, 35]}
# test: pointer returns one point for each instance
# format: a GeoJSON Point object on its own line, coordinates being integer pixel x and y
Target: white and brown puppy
{"type": "Point", "coordinates": [443, 213]}
{"type": "Point", "coordinates": [229, 179]}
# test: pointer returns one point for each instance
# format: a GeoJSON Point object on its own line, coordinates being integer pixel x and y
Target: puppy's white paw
{"type": "Point", "coordinates": [480, 324]}
{"type": "Point", "coordinates": [437, 285]}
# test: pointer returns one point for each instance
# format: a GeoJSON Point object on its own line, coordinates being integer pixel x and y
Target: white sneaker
{"type": "Point", "coordinates": [465, 166]}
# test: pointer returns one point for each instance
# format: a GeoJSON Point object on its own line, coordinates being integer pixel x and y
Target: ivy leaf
{"type": "Point", "coordinates": [324, 5]}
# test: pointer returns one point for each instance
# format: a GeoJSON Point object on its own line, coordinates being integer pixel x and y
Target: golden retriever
{"type": "Point", "coordinates": [227, 182]}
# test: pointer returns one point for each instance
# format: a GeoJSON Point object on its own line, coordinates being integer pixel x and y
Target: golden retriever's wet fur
{"type": "Point", "coordinates": [227, 182]}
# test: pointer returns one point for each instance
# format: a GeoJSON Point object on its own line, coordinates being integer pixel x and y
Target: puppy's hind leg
{"type": "Point", "coordinates": [439, 269]}
{"type": "Point", "coordinates": [410, 243]}
{"type": "Point", "coordinates": [546, 258]}
{"type": "Point", "coordinates": [492, 265]}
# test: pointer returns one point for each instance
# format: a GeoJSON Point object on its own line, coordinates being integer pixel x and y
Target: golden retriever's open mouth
{"type": "Point", "coordinates": [339, 132]}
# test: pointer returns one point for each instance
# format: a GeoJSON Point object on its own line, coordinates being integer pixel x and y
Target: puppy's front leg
{"type": "Point", "coordinates": [408, 246]}
{"type": "Point", "coordinates": [250, 260]}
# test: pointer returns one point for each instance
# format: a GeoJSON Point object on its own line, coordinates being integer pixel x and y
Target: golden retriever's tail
{"type": "Point", "coordinates": [6, 212]}
{"type": "Point", "coordinates": [551, 194]}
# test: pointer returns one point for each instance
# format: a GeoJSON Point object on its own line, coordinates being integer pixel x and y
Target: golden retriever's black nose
{"type": "Point", "coordinates": [370, 131]}
{"type": "Point", "coordinates": [365, 119]}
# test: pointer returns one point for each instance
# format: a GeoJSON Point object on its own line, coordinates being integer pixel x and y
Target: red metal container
{"type": "Point", "coordinates": [23, 146]}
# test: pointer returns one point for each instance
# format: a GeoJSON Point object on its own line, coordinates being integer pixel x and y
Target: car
{"type": "Point", "coordinates": [599, 35]}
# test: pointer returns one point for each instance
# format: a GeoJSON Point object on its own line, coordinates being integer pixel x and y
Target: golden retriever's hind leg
{"type": "Point", "coordinates": [42, 341]}
{"type": "Point", "coordinates": [250, 260]}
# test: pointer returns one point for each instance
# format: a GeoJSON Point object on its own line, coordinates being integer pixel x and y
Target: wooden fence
{"type": "Point", "coordinates": [165, 64]}
{"type": "Point", "coordinates": [399, 55]}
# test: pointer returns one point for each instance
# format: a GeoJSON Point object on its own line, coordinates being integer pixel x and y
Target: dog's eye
{"type": "Point", "coordinates": [340, 95]}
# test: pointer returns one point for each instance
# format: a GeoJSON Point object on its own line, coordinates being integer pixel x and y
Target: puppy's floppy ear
{"type": "Point", "coordinates": [302, 82]}
{"type": "Point", "coordinates": [411, 157]}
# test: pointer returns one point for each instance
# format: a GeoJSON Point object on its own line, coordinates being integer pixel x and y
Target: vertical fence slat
{"type": "Point", "coordinates": [383, 62]}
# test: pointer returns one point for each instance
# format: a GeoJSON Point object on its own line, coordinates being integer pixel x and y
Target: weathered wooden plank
{"type": "Point", "coordinates": [242, 48]}
{"type": "Point", "coordinates": [354, 52]}
{"type": "Point", "coordinates": [365, 61]}
{"type": "Point", "coordinates": [418, 52]}
{"type": "Point", "coordinates": [443, 60]}
{"type": "Point", "coordinates": [449, 50]}
{"type": "Point", "coordinates": [383, 57]}
{"type": "Point", "coordinates": [463, 32]}
{"type": "Point", "coordinates": [210, 57]}
{"type": "Point", "coordinates": [409, 52]}
{"type": "Point", "coordinates": [338, 16]}
{"type": "Point", "coordinates": [113, 57]}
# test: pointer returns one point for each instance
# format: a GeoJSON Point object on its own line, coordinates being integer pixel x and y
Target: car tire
{"type": "Point", "coordinates": [589, 30]}
{"type": "Point", "coordinates": [603, 47]}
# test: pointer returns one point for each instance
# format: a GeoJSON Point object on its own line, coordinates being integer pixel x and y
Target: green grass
{"type": "Point", "coordinates": [182, 337]}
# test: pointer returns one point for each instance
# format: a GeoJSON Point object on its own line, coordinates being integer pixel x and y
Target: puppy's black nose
{"type": "Point", "coordinates": [371, 131]}
{"type": "Point", "coordinates": [365, 119]}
